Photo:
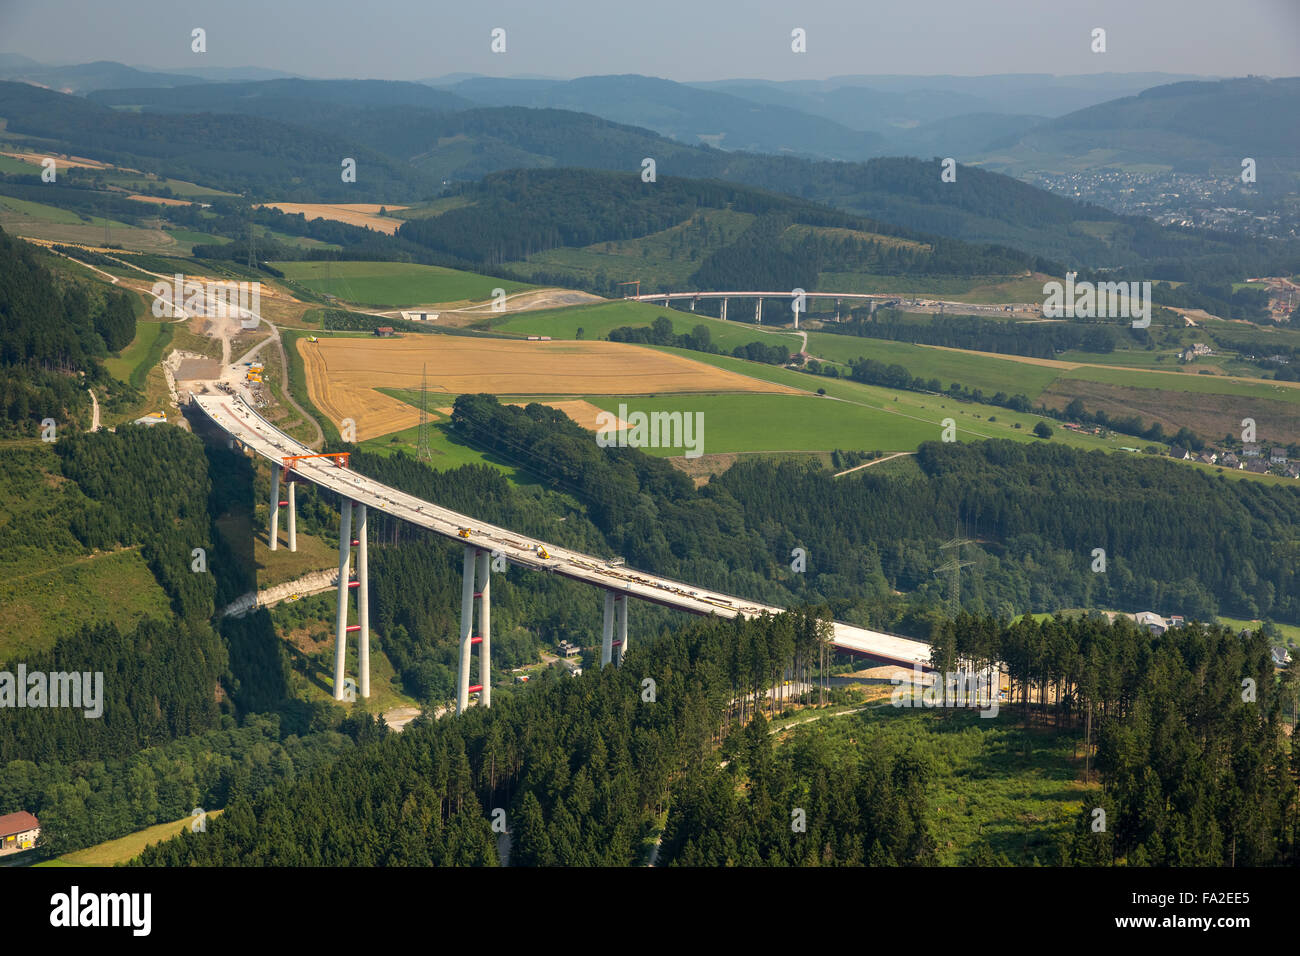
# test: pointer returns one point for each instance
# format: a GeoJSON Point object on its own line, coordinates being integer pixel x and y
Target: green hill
{"type": "Point", "coordinates": [284, 140]}
{"type": "Point", "coordinates": [1203, 127]}
{"type": "Point", "coordinates": [615, 227]}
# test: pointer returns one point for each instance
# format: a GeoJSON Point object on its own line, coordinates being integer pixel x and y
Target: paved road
{"type": "Point", "coordinates": [243, 423]}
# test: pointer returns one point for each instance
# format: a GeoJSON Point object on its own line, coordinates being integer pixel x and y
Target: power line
{"type": "Point", "coordinates": [952, 567]}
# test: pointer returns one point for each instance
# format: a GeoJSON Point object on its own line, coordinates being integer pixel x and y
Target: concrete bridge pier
{"type": "Point", "coordinates": [280, 474]}
{"type": "Point", "coordinates": [293, 515]}
{"type": "Point", "coordinates": [724, 310]}
{"type": "Point", "coordinates": [485, 628]}
{"type": "Point", "coordinates": [275, 506]}
{"type": "Point", "coordinates": [758, 312]}
{"type": "Point", "coordinates": [620, 615]}
{"type": "Point", "coordinates": [607, 631]}
{"type": "Point", "coordinates": [476, 563]}
{"type": "Point", "coordinates": [363, 604]}
{"type": "Point", "coordinates": [341, 621]}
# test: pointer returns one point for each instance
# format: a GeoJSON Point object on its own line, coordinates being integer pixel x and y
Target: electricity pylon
{"type": "Point", "coordinates": [953, 568]}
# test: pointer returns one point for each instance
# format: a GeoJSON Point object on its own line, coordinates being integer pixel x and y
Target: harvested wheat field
{"type": "Point", "coordinates": [580, 410]}
{"type": "Point", "coordinates": [62, 161]}
{"type": "Point", "coordinates": [354, 214]}
{"type": "Point", "coordinates": [160, 200]}
{"type": "Point", "coordinates": [343, 373]}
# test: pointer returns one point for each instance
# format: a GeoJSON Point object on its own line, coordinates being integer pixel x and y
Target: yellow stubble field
{"type": "Point", "coordinates": [354, 214]}
{"type": "Point", "coordinates": [343, 373]}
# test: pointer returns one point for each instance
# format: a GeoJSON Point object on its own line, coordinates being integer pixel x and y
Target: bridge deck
{"type": "Point", "coordinates": [245, 425]}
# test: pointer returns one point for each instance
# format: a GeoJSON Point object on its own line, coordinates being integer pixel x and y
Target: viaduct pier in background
{"type": "Point", "coordinates": [483, 544]}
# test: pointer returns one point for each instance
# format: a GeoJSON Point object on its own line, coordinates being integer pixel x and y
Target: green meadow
{"type": "Point", "coordinates": [144, 351]}
{"type": "Point", "coordinates": [992, 375]}
{"type": "Point", "coordinates": [448, 449]}
{"type": "Point", "coordinates": [394, 283]}
{"type": "Point", "coordinates": [771, 423]}
{"type": "Point", "coordinates": [124, 849]}
{"type": "Point", "coordinates": [993, 782]}
{"type": "Point", "coordinates": [974, 420]}
{"type": "Point", "coordinates": [36, 607]}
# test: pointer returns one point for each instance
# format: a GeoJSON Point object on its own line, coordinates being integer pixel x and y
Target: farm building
{"type": "Point", "coordinates": [18, 831]}
{"type": "Point", "coordinates": [1151, 621]}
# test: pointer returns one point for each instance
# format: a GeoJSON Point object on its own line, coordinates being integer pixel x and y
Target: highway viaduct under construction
{"type": "Point", "coordinates": [292, 461]}
{"type": "Point", "coordinates": [798, 299]}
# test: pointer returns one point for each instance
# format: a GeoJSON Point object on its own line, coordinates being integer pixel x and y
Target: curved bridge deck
{"type": "Point", "coordinates": [251, 430]}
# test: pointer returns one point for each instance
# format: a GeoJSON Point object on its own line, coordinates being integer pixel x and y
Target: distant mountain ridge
{"type": "Point", "coordinates": [689, 114]}
{"type": "Point", "coordinates": [283, 140]}
{"type": "Point", "coordinates": [1192, 126]}
{"type": "Point", "coordinates": [86, 77]}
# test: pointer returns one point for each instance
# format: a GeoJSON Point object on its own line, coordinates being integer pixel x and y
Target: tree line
{"type": "Point", "coordinates": [698, 339]}
{"type": "Point", "coordinates": [81, 802]}
{"type": "Point", "coordinates": [1184, 730]}
{"type": "Point", "coordinates": [1040, 340]}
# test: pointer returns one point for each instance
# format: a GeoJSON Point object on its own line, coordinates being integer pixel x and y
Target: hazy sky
{"type": "Point", "coordinates": [677, 39]}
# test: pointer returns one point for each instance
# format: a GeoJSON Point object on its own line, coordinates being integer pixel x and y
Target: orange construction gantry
{"type": "Point", "coordinates": [340, 458]}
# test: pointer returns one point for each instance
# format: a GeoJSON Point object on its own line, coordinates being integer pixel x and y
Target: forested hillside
{"type": "Point", "coordinates": [284, 143]}
{"type": "Point", "coordinates": [521, 213]}
{"type": "Point", "coordinates": [234, 153]}
{"type": "Point", "coordinates": [687, 113]}
{"type": "Point", "coordinates": [175, 725]}
{"type": "Point", "coordinates": [1199, 125]}
{"type": "Point", "coordinates": [582, 768]}
{"type": "Point", "coordinates": [1193, 771]}
{"type": "Point", "coordinates": [52, 332]}
{"type": "Point", "coordinates": [1175, 538]}
{"type": "Point", "coordinates": [81, 802]}
{"type": "Point", "coordinates": [145, 488]}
